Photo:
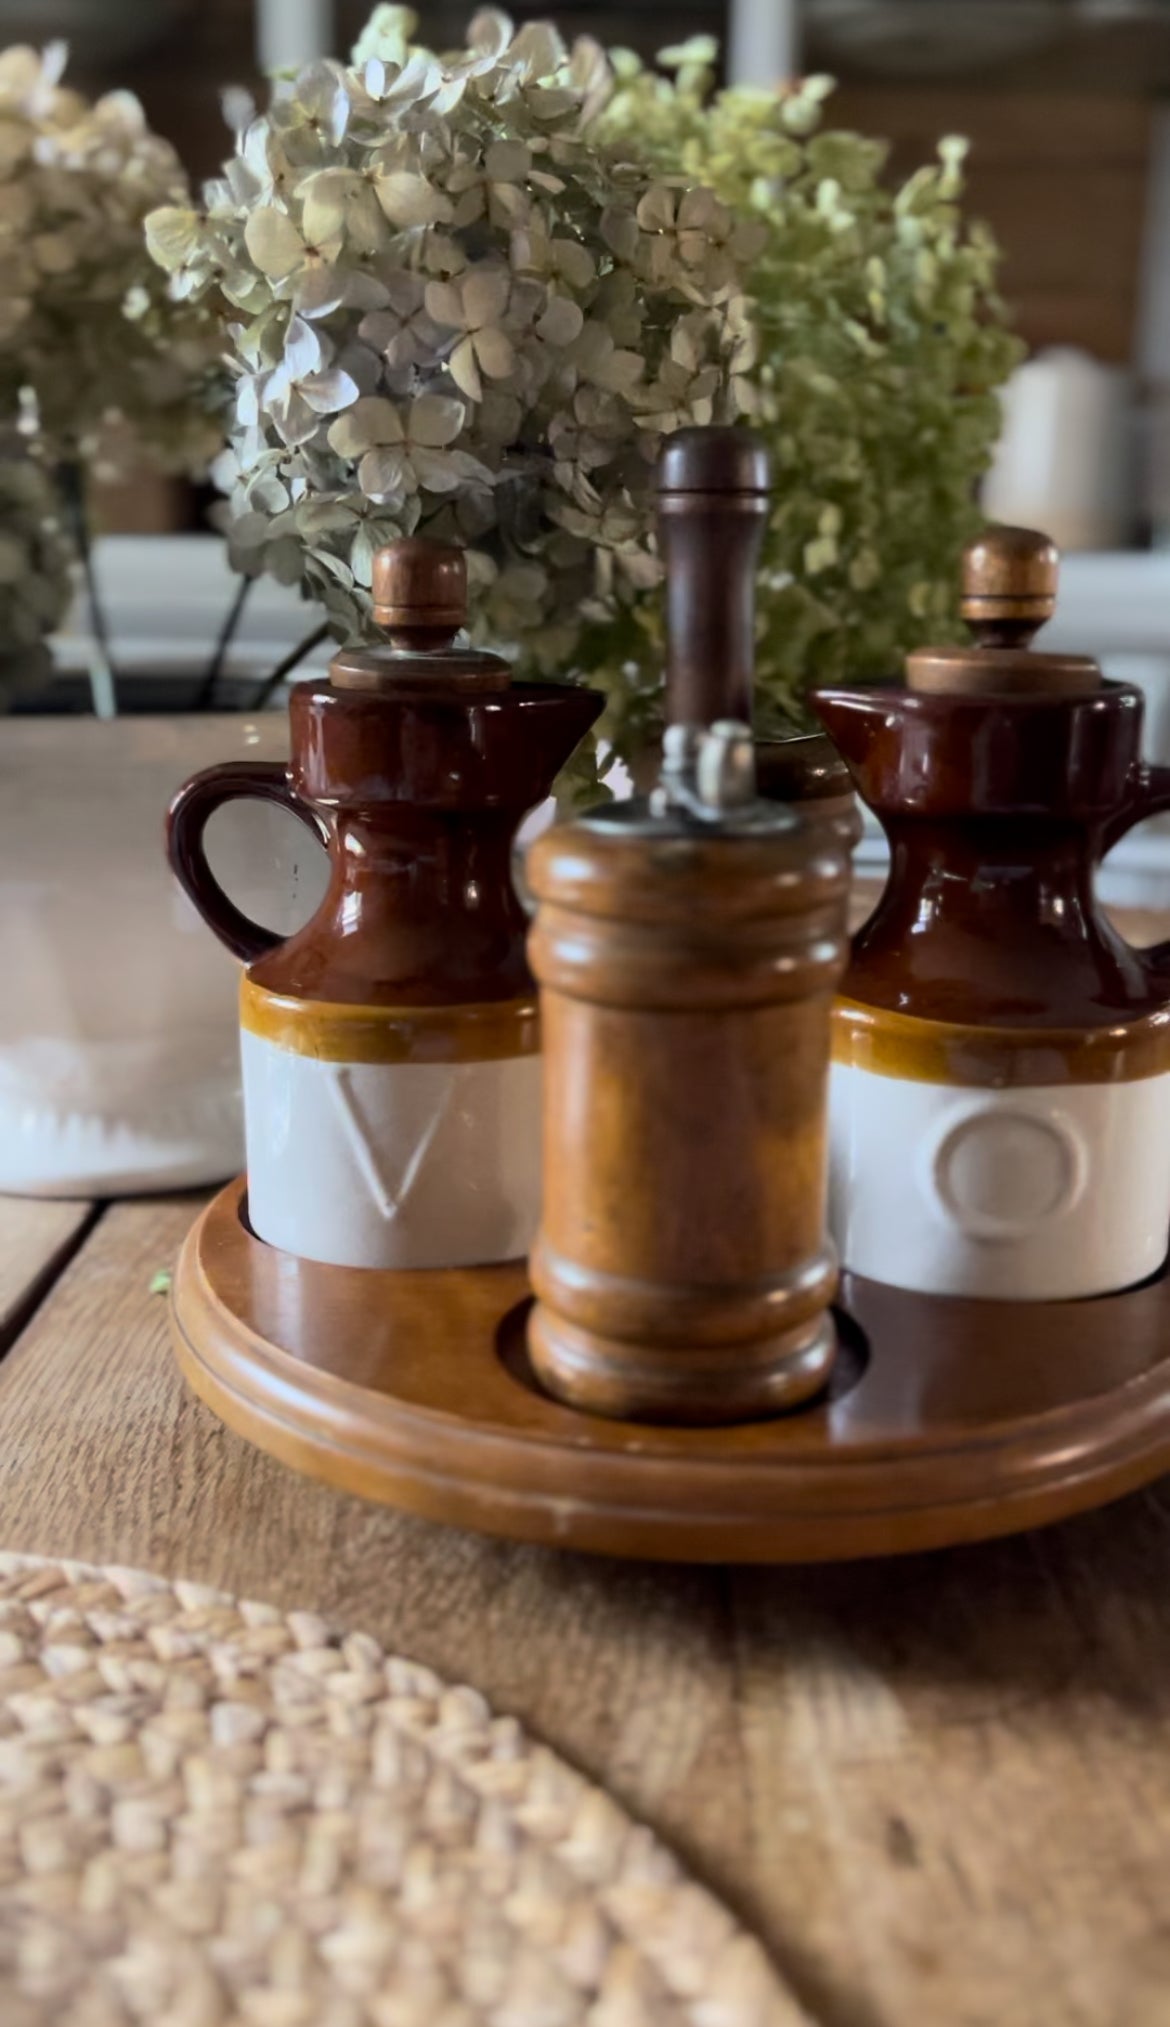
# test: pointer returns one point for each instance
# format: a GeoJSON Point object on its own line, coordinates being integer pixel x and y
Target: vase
{"type": "Point", "coordinates": [119, 1067]}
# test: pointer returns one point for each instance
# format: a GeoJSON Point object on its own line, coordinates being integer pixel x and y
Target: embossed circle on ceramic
{"type": "Point", "coordinates": [1002, 1172]}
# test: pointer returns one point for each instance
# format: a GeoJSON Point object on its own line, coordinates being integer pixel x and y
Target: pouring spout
{"type": "Point", "coordinates": [856, 721]}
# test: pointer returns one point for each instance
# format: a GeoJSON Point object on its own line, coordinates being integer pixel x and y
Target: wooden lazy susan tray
{"type": "Point", "coordinates": [946, 1421]}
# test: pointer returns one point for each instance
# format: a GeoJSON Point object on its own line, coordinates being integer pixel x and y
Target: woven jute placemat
{"type": "Point", "coordinates": [216, 1812]}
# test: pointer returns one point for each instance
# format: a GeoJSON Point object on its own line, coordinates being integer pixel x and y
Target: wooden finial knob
{"type": "Point", "coordinates": [420, 591]}
{"type": "Point", "coordinates": [1009, 590]}
{"type": "Point", "coordinates": [1009, 585]}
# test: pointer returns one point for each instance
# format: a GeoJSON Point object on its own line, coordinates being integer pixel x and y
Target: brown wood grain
{"type": "Point", "coordinates": [939, 1788]}
{"type": "Point", "coordinates": [35, 1238]}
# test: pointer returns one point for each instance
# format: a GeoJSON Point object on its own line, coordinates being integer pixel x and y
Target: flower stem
{"type": "Point", "coordinates": [102, 678]}
{"type": "Point", "coordinates": [285, 668]}
{"type": "Point", "coordinates": [206, 690]}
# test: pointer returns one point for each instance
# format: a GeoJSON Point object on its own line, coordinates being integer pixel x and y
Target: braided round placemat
{"type": "Point", "coordinates": [215, 1812]}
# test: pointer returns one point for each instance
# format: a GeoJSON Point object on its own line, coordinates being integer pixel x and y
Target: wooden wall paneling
{"type": "Point", "coordinates": [1061, 179]}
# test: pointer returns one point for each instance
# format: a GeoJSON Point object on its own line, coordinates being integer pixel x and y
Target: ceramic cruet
{"type": "Point", "coordinates": [1000, 1090]}
{"type": "Point", "coordinates": [390, 1047]}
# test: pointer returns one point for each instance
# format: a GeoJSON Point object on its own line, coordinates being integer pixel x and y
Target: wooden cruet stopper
{"type": "Point", "coordinates": [1009, 581]}
{"type": "Point", "coordinates": [420, 600]}
{"type": "Point", "coordinates": [687, 948]}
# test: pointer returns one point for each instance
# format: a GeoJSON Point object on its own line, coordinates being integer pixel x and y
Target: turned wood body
{"type": "Point", "coordinates": [682, 1268]}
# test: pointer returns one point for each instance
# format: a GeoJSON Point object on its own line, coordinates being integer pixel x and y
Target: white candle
{"type": "Point", "coordinates": [290, 33]}
{"type": "Point", "coordinates": [763, 41]}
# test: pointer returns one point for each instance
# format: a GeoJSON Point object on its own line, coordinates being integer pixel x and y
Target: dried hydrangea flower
{"type": "Point", "coordinates": [88, 335]}
{"type": "Point", "coordinates": [452, 309]}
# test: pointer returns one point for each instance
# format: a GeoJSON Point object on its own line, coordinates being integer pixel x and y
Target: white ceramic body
{"type": "Point", "coordinates": [374, 1164]}
{"type": "Point", "coordinates": [1025, 1194]}
{"type": "Point", "coordinates": [119, 1059]}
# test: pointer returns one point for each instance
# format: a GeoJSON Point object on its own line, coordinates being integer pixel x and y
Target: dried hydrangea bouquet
{"type": "Point", "coordinates": [93, 352]}
{"type": "Point", "coordinates": [468, 295]}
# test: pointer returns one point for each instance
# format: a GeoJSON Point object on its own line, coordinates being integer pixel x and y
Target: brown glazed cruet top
{"type": "Point", "coordinates": [1001, 776]}
{"type": "Point", "coordinates": [414, 762]}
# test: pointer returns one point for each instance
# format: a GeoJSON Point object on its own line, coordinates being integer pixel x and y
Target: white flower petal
{"type": "Point", "coordinates": [494, 352]}
{"type": "Point", "coordinates": [274, 242]}
{"type": "Point", "coordinates": [321, 290]}
{"type": "Point", "coordinates": [538, 48]}
{"type": "Point", "coordinates": [379, 329]}
{"type": "Point", "coordinates": [562, 321]}
{"type": "Point", "coordinates": [656, 209]}
{"type": "Point", "coordinates": [371, 423]}
{"type": "Point", "coordinates": [326, 198]}
{"type": "Point", "coordinates": [172, 234]}
{"type": "Point", "coordinates": [435, 420]}
{"type": "Point", "coordinates": [409, 200]}
{"type": "Point", "coordinates": [435, 470]}
{"type": "Point", "coordinates": [302, 348]}
{"type": "Point", "coordinates": [294, 420]}
{"type": "Point", "coordinates": [464, 369]}
{"type": "Point", "coordinates": [382, 474]}
{"type": "Point", "coordinates": [489, 33]}
{"type": "Point", "coordinates": [326, 392]}
{"type": "Point", "coordinates": [445, 304]}
{"type": "Point", "coordinates": [485, 296]}
{"type": "Point", "coordinates": [405, 291]}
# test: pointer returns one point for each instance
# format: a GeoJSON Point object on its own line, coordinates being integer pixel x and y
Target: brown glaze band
{"type": "Point", "coordinates": [939, 1052]}
{"type": "Point", "coordinates": [336, 1032]}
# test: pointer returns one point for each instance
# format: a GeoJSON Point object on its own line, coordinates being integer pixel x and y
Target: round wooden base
{"type": "Point", "coordinates": [946, 1421]}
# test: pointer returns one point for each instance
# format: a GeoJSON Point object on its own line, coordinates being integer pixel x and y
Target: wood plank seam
{"type": "Point", "coordinates": [22, 1311]}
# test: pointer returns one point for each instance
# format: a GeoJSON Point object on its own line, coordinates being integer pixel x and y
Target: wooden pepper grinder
{"type": "Point", "coordinates": [714, 489]}
{"type": "Point", "coordinates": [687, 947]}
{"type": "Point", "coordinates": [1001, 1062]}
{"type": "Point", "coordinates": [390, 1048]}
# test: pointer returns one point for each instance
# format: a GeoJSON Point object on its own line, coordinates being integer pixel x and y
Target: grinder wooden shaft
{"type": "Point", "coordinates": [687, 947]}
{"type": "Point", "coordinates": [714, 496]}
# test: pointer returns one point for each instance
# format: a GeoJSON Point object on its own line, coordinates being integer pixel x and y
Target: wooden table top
{"type": "Point", "coordinates": [939, 1789]}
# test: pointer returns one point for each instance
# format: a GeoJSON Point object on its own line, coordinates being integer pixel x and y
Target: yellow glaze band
{"type": "Point", "coordinates": [335, 1032]}
{"type": "Point", "coordinates": [939, 1052]}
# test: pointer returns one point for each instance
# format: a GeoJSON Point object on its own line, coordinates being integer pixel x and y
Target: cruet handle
{"type": "Point", "coordinates": [187, 819]}
{"type": "Point", "coordinates": [1149, 795]}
